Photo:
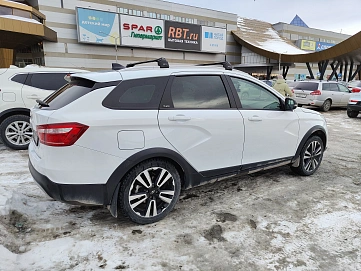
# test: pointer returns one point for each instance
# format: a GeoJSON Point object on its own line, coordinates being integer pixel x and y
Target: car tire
{"type": "Point", "coordinates": [16, 132]}
{"type": "Point", "coordinates": [310, 157]}
{"type": "Point", "coordinates": [149, 191]}
{"type": "Point", "coordinates": [326, 105]}
{"type": "Point", "coordinates": [352, 113]}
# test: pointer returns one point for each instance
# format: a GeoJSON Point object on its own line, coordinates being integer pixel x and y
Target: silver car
{"type": "Point", "coordinates": [323, 94]}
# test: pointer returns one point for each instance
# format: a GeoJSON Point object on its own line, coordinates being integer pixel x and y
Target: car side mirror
{"type": "Point", "coordinates": [290, 104]}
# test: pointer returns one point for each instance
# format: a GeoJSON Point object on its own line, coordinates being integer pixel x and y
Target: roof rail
{"type": "Point", "coordinates": [226, 65]}
{"type": "Point", "coordinates": [117, 66]}
{"type": "Point", "coordinates": [162, 62]}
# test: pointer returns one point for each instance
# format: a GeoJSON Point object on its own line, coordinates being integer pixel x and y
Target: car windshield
{"type": "Point", "coordinates": [311, 86]}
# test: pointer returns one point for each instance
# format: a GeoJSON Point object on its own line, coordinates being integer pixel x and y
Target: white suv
{"type": "Point", "coordinates": [132, 139]}
{"type": "Point", "coordinates": [19, 90]}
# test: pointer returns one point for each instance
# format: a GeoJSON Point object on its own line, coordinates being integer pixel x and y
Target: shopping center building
{"type": "Point", "coordinates": [91, 34]}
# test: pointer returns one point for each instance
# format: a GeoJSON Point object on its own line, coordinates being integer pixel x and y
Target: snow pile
{"type": "Point", "coordinates": [261, 34]}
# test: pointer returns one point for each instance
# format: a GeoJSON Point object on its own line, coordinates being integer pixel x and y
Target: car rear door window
{"type": "Point", "coordinates": [48, 81]}
{"type": "Point", "coordinates": [334, 87]}
{"type": "Point", "coordinates": [199, 92]}
{"type": "Point", "coordinates": [144, 93]}
{"type": "Point", "coordinates": [326, 86]}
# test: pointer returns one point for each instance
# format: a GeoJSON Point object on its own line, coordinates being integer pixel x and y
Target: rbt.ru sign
{"type": "Point", "coordinates": [214, 39]}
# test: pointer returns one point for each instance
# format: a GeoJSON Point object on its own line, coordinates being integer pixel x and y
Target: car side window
{"type": "Point", "coordinates": [48, 81]}
{"type": "Point", "coordinates": [326, 86]}
{"type": "Point", "coordinates": [144, 93]}
{"type": "Point", "coordinates": [254, 96]}
{"type": "Point", "coordinates": [199, 92]}
{"type": "Point", "coordinates": [343, 88]}
{"type": "Point", "coordinates": [334, 87]}
{"type": "Point", "coordinates": [20, 78]}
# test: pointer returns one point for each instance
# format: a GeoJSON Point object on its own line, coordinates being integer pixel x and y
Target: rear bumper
{"type": "Point", "coordinates": [354, 107]}
{"type": "Point", "coordinates": [91, 194]}
{"type": "Point", "coordinates": [307, 101]}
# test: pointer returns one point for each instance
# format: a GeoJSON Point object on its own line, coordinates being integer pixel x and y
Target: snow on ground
{"type": "Point", "coordinates": [273, 220]}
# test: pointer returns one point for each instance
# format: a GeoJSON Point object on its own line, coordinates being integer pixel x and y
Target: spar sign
{"type": "Point", "coordinates": [141, 32]}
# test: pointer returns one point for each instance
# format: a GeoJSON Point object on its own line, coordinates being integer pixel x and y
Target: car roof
{"type": "Point", "coordinates": [148, 71]}
{"type": "Point", "coordinates": [37, 69]}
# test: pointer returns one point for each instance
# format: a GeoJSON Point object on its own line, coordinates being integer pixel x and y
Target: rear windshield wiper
{"type": "Point", "coordinates": [44, 104]}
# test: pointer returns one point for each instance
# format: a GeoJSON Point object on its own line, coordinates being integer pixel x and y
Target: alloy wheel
{"type": "Point", "coordinates": [312, 156]}
{"type": "Point", "coordinates": [151, 192]}
{"type": "Point", "coordinates": [19, 133]}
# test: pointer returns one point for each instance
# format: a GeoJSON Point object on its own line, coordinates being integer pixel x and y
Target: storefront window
{"type": "Point", "coordinates": [21, 13]}
{"type": "Point", "coordinates": [5, 11]}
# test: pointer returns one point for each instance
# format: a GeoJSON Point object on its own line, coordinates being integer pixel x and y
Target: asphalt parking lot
{"type": "Point", "coordinates": [273, 220]}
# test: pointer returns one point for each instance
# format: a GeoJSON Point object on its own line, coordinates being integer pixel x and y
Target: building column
{"type": "Point", "coordinates": [6, 57]}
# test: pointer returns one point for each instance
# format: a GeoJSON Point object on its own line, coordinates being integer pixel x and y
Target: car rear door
{"type": "Point", "coordinates": [331, 91]}
{"type": "Point", "coordinates": [199, 118]}
{"type": "Point", "coordinates": [41, 85]}
{"type": "Point", "coordinates": [271, 133]}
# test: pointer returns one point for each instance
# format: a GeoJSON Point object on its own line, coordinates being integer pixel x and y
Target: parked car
{"type": "Point", "coordinates": [268, 82]}
{"type": "Point", "coordinates": [20, 88]}
{"type": "Point", "coordinates": [354, 105]}
{"type": "Point", "coordinates": [131, 139]}
{"type": "Point", "coordinates": [354, 86]}
{"type": "Point", "coordinates": [323, 94]}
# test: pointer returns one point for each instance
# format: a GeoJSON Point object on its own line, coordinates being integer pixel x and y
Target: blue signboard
{"type": "Point", "coordinates": [323, 45]}
{"type": "Point", "coordinates": [96, 26]}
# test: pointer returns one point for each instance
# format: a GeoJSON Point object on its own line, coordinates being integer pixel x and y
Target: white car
{"type": "Point", "coordinates": [131, 139]}
{"type": "Point", "coordinates": [323, 94]}
{"type": "Point", "coordinates": [19, 90]}
{"type": "Point", "coordinates": [354, 105]}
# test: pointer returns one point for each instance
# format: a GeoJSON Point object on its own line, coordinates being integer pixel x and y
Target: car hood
{"type": "Point", "coordinates": [309, 111]}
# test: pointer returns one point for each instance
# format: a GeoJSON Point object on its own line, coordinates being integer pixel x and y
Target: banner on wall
{"type": "Point", "coordinates": [308, 45]}
{"type": "Point", "coordinates": [182, 36]}
{"type": "Point", "coordinates": [143, 32]}
{"type": "Point", "coordinates": [320, 46]}
{"type": "Point", "coordinates": [214, 39]}
{"type": "Point", "coordinates": [99, 27]}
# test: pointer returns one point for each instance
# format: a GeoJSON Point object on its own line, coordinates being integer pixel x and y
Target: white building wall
{"type": "Point", "coordinates": [67, 52]}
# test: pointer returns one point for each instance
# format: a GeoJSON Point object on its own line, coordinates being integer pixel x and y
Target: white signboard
{"type": "Point", "coordinates": [141, 32]}
{"type": "Point", "coordinates": [214, 39]}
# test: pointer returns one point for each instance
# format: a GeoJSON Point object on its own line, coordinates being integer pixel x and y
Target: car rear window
{"type": "Point", "coordinates": [68, 94]}
{"type": "Point", "coordinates": [311, 86]}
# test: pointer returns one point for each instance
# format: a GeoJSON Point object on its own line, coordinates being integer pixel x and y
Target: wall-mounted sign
{"type": "Point", "coordinates": [96, 26]}
{"type": "Point", "coordinates": [323, 45]}
{"type": "Point", "coordinates": [308, 45]}
{"type": "Point", "coordinates": [142, 32]}
{"type": "Point", "coordinates": [182, 36]}
{"type": "Point", "coordinates": [214, 39]}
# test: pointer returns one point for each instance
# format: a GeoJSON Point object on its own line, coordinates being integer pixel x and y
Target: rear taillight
{"type": "Point", "coordinates": [354, 90]}
{"type": "Point", "coordinates": [60, 134]}
{"type": "Point", "coordinates": [353, 101]}
{"type": "Point", "coordinates": [316, 92]}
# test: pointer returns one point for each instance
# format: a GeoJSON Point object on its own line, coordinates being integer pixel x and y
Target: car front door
{"type": "Point", "coordinates": [40, 85]}
{"type": "Point", "coordinates": [198, 118]}
{"type": "Point", "coordinates": [271, 133]}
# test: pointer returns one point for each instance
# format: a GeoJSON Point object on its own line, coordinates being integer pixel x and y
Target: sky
{"type": "Point", "coordinates": [332, 15]}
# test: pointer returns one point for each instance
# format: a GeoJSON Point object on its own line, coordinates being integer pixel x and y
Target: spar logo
{"type": "Point", "coordinates": [144, 31]}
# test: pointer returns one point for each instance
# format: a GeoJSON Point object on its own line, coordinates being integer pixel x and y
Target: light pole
{"type": "Point", "coordinates": [116, 45]}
